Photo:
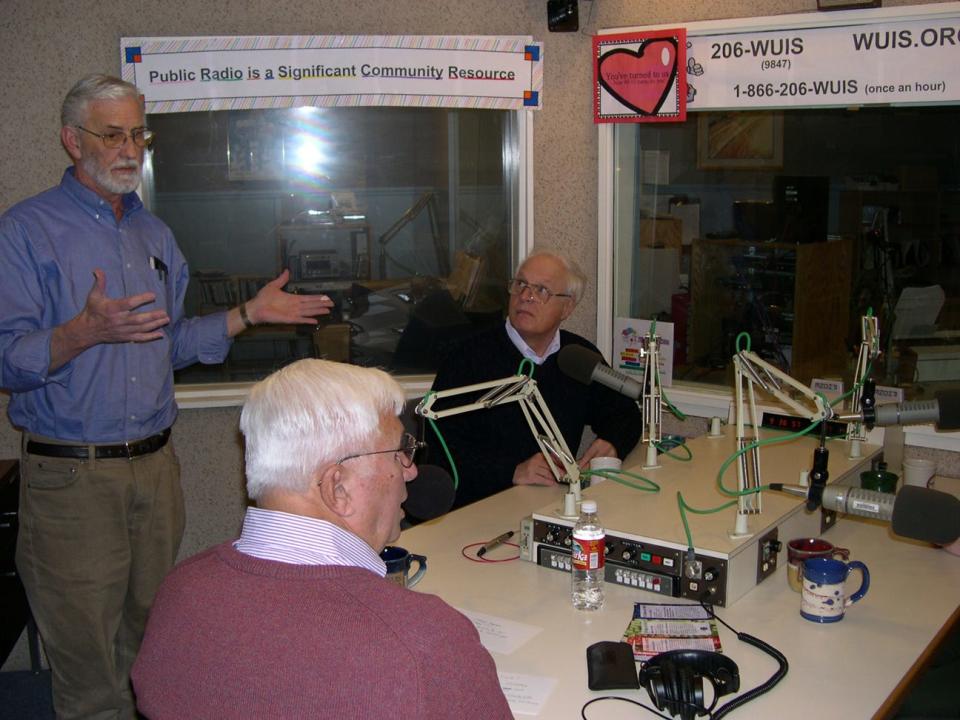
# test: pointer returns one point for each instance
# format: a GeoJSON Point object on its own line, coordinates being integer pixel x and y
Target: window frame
{"type": "Point", "coordinates": [699, 399]}
{"type": "Point", "coordinates": [233, 394]}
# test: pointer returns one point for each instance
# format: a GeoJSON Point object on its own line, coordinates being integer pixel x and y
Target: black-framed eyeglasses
{"type": "Point", "coordinates": [141, 137]}
{"type": "Point", "coordinates": [538, 292]}
{"type": "Point", "coordinates": [405, 453]}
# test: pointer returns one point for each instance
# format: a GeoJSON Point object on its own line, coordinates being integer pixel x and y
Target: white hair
{"type": "Point", "coordinates": [576, 278]}
{"type": "Point", "coordinates": [310, 414]}
{"type": "Point", "coordinates": [73, 112]}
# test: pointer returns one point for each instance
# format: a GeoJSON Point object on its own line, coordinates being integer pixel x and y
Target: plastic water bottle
{"type": "Point", "coordinates": [587, 565]}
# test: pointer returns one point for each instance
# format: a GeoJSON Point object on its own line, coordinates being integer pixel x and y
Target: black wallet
{"type": "Point", "coordinates": [610, 666]}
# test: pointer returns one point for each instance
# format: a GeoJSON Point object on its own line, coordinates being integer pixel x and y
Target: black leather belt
{"type": "Point", "coordinates": [101, 452]}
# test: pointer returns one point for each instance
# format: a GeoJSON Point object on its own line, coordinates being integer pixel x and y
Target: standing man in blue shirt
{"type": "Point", "coordinates": [91, 329]}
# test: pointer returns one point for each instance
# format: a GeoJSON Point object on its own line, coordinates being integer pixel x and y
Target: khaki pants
{"type": "Point", "coordinates": [96, 538]}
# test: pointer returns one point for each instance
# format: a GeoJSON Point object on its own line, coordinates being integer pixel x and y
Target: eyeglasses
{"type": "Point", "coordinates": [405, 453]}
{"type": "Point", "coordinates": [538, 292]}
{"type": "Point", "coordinates": [141, 137]}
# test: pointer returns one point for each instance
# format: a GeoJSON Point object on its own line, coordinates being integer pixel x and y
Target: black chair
{"type": "Point", "coordinates": [14, 610]}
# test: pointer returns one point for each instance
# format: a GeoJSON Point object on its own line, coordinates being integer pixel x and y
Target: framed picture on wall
{"type": "Point", "coordinates": [740, 140]}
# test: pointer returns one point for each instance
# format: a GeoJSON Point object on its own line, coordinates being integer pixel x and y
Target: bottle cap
{"type": "Point", "coordinates": [588, 506]}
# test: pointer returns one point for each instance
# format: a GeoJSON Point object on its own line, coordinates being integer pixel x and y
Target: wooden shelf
{"type": "Point", "coordinates": [803, 290]}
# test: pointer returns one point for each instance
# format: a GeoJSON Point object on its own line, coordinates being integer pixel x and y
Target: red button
{"type": "Point", "coordinates": [657, 559]}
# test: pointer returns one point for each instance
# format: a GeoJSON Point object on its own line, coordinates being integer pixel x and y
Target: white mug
{"type": "Point", "coordinates": [605, 463]}
{"type": "Point", "coordinates": [917, 471]}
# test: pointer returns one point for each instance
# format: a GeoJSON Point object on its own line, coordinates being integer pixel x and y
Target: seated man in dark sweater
{"type": "Point", "coordinates": [295, 618]}
{"type": "Point", "coordinates": [495, 449]}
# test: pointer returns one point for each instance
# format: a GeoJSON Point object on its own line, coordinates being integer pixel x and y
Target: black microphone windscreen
{"type": "Point", "coordinates": [578, 362]}
{"type": "Point", "coordinates": [949, 401]}
{"type": "Point", "coordinates": [430, 494]}
{"type": "Point", "coordinates": [925, 514]}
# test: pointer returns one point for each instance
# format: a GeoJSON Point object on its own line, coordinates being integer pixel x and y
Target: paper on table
{"type": "Point", "coordinates": [917, 310]}
{"type": "Point", "coordinates": [499, 634]}
{"type": "Point", "coordinates": [657, 627]}
{"type": "Point", "coordinates": [526, 693]}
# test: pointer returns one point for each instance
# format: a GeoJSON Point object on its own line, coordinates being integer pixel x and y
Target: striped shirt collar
{"type": "Point", "coordinates": [300, 540]}
{"type": "Point", "coordinates": [526, 350]}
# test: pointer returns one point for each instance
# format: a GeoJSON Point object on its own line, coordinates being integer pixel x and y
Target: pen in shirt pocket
{"type": "Point", "coordinates": [160, 266]}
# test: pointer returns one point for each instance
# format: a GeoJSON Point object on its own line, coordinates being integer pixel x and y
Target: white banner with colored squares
{"type": "Point", "coordinates": [178, 74]}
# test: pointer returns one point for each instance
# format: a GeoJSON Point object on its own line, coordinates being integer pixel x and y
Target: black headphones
{"type": "Point", "coordinates": [674, 680]}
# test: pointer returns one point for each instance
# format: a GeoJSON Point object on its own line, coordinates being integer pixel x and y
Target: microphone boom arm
{"type": "Point", "coordinates": [520, 389]}
{"type": "Point", "coordinates": [751, 371]}
{"type": "Point", "coordinates": [771, 379]}
{"type": "Point", "coordinates": [652, 398]}
{"type": "Point", "coordinates": [869, 351]}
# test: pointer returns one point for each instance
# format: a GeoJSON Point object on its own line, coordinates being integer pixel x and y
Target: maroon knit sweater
{"type": "Point", "coordinates": [233, 636]}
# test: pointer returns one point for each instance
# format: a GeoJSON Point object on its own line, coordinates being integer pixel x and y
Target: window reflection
{"type": "Point", "coordinates": [835, 213]}
{"type": "Point", "coordinates": [405, 217]}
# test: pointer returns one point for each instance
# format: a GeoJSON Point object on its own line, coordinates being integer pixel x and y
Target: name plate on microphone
{"type": "Point", "coordinates": [830, 389]}
{"type": "Point", "coordinates": [887, 395]}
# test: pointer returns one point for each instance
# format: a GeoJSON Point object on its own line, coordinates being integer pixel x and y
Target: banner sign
{"type": "Point", "coordinates": [637, 77]}
{"type": "Point", "coordinates": [229, 73]}
{"type": "Point", "coordinates": [861, 63]}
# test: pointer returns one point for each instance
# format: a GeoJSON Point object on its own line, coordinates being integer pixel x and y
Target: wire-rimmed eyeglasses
{"type": "Point", "coordinates": [405, 453]}
{"type": "Point", "coordinates": [141, 137]}
{"type": "Point", "coordinates": [538, 292]}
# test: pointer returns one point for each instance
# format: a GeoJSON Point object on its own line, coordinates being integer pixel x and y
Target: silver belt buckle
{"type": "Point", "coordinates": [126, 445]}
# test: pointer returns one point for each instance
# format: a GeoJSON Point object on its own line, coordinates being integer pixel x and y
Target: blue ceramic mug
{"type": "Point", "coordinates": [399, 561]}
{"type": "Point", "coordinates": [823, 596]}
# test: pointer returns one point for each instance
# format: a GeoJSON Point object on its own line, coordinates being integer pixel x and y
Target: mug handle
{"type": "Point", "coordinates": [421, 569]}
{"type": "Point", "coordinates": [841, 552]}
{"type": "Point", "coordinates": [864, 585]}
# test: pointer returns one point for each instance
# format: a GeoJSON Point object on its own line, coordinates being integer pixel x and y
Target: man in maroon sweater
{"type": "Point", "coordinates": [295, 619]}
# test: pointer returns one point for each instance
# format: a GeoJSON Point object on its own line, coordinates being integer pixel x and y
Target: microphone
{"type": "Point", "coordinates": [430, 494]}
{"type": "Point", "coordinates": [944, 411]}
{"type": "Point", "coordinates": [586, 366]}
{"type": "Point", "coordinates": [918, 513]}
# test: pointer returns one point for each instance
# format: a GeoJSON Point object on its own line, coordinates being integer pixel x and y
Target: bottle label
{"type": "Point", "coordinates": [588, 553]}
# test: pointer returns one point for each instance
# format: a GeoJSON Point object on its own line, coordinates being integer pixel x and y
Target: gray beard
{"type": "Point", "coordinates": [105, 180]}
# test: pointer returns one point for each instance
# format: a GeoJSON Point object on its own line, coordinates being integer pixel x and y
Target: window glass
{"type": "Point", "coordinates": [405, 217]}
{"type": "Point", "coordinates": [789, 227]}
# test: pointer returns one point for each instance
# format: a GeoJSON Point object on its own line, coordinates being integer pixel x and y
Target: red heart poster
{"type": "Point", "coordinates": [638, 77]}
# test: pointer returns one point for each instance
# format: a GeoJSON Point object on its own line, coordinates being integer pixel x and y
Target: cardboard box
{"type": "Point", "coordinates": [656, 278]}
{"type": "Point", "coordinates": [661, 232]}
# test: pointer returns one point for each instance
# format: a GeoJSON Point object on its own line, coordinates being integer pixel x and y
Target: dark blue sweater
{"type": "Point", "coordinates": [487, 445]}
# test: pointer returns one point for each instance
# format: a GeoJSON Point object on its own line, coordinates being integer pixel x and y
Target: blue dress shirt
{"type": "Point", "coordinates": [50, 244]}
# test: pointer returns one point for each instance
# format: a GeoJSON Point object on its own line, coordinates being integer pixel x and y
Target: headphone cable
{"type": "Point", "coordinates": [771, 682]}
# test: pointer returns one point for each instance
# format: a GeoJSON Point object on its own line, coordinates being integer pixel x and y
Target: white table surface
{"type": "Point", "coordinates": [847, 669]}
